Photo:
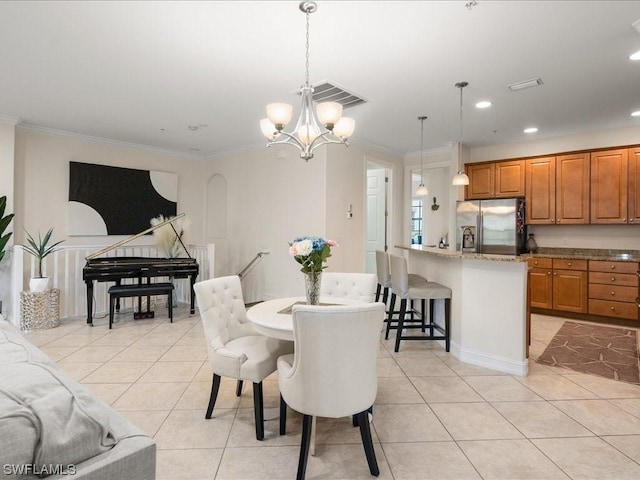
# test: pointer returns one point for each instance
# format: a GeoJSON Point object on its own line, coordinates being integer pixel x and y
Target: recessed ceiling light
{"type": "Point", "coordinates": [483, 104]}
{"type": "Point", "coordinates": [534, 82]}
{"type": "Point", "coordinates": [636, 113]}
{"type": "Point", "coordinates": [530, 130]}
{"type": "Point", "coordinates": [635, 56]}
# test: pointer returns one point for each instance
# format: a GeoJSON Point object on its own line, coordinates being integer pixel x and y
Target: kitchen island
{"type": "Point", "coordinates": [488, 304]}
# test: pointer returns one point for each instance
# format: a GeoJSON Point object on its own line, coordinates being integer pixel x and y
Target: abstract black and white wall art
{"type": "Point", "coordinates": [106, 200]}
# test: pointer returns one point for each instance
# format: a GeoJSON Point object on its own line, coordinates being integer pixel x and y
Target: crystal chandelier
{"type": "Point", "coordinates": [315, 127]}
{"type": "Point", "coordinates": [421, 191]}
{"type": "Point", "coordinates": [460, 178]}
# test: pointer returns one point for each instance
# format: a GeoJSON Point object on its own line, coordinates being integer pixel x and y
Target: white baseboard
{"type": "Point", "coordinates": [490, 361]}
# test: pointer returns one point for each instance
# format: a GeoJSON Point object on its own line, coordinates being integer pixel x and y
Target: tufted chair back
{"type": "Point", "coordinates": [224, 318]}
{"type": "Point", "coordinates": [357, 286]}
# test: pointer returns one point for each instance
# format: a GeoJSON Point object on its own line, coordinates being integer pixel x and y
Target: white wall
{"type": "Point", "coordinates": [42, 182]}
{"type": "Point", "coordinates": [618, 237]}
{"type": "Point", "coordinates": [7, 145]}
{"type": "Point", "coordinates": [274, 196]}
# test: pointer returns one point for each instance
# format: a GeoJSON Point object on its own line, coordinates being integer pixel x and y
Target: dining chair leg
{"type": "Point", "coordinates": [378, 288]}
{"type": "Point", "coordinates": [423, 312]}
{"type": "Point", "coordinates": [304, 446]}
{"type": "Point", "coordinates": [385, 295]}
{"type": "Point", "coordinates": [392, 304]}
{"type": "Point", "coordinates": [283, 416]}
{"type": "Point", "coordinates": [215, 386]}
{"type": "Point", "coordinates": [403, 309]}
{"type": "Point", "coordinates": [367, 442]}
{"type": "Point", "coordinates": [239, 388]}
{"type": "Point", "coordinates": [258, 410]}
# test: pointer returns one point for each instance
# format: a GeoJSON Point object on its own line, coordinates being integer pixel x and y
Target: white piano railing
{"type": "Point", "coordinates": [64, 267]}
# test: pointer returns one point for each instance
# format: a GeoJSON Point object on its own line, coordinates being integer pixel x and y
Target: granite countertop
{"type": "Point", "coordinates": [572, 253]}
{"type": "Point", "coordinates": [588, 254]}
{"type": "Point", "coordinates": [445, 252]}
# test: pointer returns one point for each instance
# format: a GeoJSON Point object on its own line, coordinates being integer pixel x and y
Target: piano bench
{"type": "Point", "coordinates": [140, 290]}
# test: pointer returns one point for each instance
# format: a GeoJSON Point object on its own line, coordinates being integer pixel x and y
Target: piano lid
{"type": "Point", "coordinates": [137, 235]}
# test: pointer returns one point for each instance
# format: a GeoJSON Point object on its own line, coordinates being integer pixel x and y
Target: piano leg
{"type": "Point", "coordinates": [90, 302]}
{"type": "Point", "coordinates": [193, 294]}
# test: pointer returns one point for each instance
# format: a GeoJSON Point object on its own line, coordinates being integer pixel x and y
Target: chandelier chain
{"type": "Point", "coordinates": [307, 54]}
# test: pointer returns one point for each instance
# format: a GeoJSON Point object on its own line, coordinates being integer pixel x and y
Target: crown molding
{"type": "Point", "coordinates": [6, 119]}
{"type": "Point", "coordinates": [89, 138]}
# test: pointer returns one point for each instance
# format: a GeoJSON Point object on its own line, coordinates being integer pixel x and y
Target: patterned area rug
{"type": "Point", "coordinates": [606, 351]}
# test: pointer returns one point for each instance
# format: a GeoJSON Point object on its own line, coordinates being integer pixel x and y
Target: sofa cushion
{"type": "Point", "coordinates": [70, 424]}
{"type": "Point", "coordinates": [60, 420]}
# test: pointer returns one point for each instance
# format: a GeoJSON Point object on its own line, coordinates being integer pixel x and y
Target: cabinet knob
{"type": "Point", "coordinates": [568, 264]}
{"type": "Point", "coordinates": [613, 309]}
{"type": "Point", "coordinates": [631, 220]}
{"type": "Point", "coordinates": [613, 293]}
{"type": "Point", "coordinates": [624, 219]}
{"type": "Point", "coordinates": [613, 279]}
{"type": "Point", "coordinates": [535, 263]}
{"type": "Point", "coordinates": [548, 273]}
{"type": "Point", "coordinates": [613, 267]}
{"type": "Point", "coordinates": [554, 274]}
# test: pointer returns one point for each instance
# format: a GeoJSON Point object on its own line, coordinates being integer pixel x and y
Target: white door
{"type": "Point", "coordinates": [376, 216]}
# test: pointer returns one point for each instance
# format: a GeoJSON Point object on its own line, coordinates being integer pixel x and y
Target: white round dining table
{"type": "Point", "coordinates": [273, 317]}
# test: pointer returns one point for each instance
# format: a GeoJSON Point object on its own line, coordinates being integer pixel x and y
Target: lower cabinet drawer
{"type": "Point", "coordinates": [624, 279]}
{"type": "Point", "coordinates": [614, 293]}
{"type": "Point", "coordinates": [613, 309]}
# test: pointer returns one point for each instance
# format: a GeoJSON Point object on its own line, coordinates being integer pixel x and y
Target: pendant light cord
{"type": "Point", "coordinates": [421, 149]}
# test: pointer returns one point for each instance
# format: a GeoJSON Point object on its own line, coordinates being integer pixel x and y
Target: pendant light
{"type": "Point", "coordinates": [460, 178]}
{"type": "Point", "coordinates": [314, 128]}
{"type": "Point", "coordinates": [421, 191]}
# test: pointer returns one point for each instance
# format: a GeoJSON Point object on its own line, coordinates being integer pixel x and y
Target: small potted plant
{"type": "Point", "coordinates": [40, 250]}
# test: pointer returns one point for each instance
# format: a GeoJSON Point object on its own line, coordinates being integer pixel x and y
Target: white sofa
{"type": "Point", "coordinates": [51, 426]}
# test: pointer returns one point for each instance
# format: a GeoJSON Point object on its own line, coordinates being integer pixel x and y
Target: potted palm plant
{"type": "Point", "coordinates": [40, 250]}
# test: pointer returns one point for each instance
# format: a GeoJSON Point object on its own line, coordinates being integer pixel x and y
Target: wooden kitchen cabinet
{"type": "Point", "coordinates": [509, 179]}
{"type": "Point", "coordinates": [613, 288]}
{"type": "Point", "coordinates": [540, 283]}
{"type": "Point", "coordinates": [504, 179]}
{"type": "Point", "coordinates": [634, 186]}
{"type": "Point", "coordinates": [540, 191]}
{"type": "Point", "coordinates": [609, 186]}
{"type": "Point", "coordinates": [570, 285]}
{"type": "Point", "coordinates": [481, 181]}
{"type": "Point", "coordinates": [572, 189]}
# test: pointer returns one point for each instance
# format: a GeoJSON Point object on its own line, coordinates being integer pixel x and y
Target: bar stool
{"type": "Point", "coordinates": [384, 278]}
{"type": "Point", "coordinates": [402, 287]}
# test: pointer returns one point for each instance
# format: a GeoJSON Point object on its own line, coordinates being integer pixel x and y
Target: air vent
{"type": "Point", "coordinates": [327, 92]}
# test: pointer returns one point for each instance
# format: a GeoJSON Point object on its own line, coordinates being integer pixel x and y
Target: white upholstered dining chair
{"type": "Point", "coordinates": [235, 349]}
{"type": "Point", "coordinates": [333, 372]}
{"type": "Point", "coordinates": [356, 286]}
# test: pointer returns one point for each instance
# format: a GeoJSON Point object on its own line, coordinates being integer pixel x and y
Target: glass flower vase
{"type": "Point", "coordinates": [312, 287]}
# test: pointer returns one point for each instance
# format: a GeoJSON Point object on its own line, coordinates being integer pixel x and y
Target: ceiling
{"type": "Point", "coordinates": [144, 72]}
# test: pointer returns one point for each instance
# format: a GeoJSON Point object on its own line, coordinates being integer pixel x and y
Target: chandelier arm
{"type": "Point", "coordinates": [290, 140]}
{"type": "Point", "coordinates": [325, 141]}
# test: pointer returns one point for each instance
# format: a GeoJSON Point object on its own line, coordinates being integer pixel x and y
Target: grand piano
{"type": "Point", "coordinates": [114, 269]}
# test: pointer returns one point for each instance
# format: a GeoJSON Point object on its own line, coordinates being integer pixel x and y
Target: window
{"type": "Point", "coordinates": [416, 221]}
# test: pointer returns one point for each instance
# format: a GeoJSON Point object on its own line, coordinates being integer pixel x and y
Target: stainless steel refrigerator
{"type": "Point", "coordinates": [491, 226]}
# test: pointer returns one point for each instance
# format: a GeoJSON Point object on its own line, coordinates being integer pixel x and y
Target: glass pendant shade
{"type": "Point", "coordinates": [268, 129]}
{"type": "Point", "coordinates": [421, 191]}
{"type": "Point", "coordinates": [460, 179]}
{"type": "Point", "coordinates": [344, 127]}
{"type": "Point", "coordinates": [329, 113]}
{"type": "Point", "coordinates": [279, 114]}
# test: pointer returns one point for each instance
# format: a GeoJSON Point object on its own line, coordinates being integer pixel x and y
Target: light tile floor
{"type": "Point", "coordinates": [435, 417]}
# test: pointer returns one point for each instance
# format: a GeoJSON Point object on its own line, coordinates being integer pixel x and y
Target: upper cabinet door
{"type": "Point", "coordinates": [572, 183]}
{"type": "Point", "coordinates": [634, 185]}
{"type": "Point", "coordinates": [481, 177]}
{"type": "Point", "coordinates": [609, 186]}
{"type": "Point", "coordinates": [509, 179]}
{"type": "Point", "coordinates": [540, 196]}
